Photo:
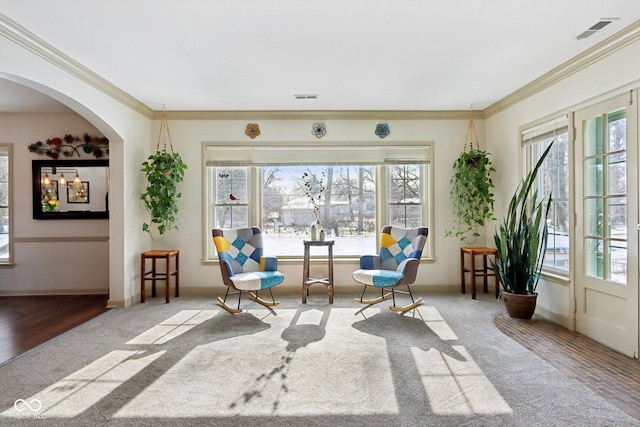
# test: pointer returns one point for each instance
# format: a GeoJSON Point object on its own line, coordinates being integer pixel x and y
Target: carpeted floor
{"type": "Point", "coordinates": [191, 363]}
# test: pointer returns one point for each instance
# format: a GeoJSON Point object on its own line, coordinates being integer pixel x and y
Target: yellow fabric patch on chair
{"type": "Point", "coordinates": [222, 244]}
{"type": "Point", "coordinates": [386, 240]}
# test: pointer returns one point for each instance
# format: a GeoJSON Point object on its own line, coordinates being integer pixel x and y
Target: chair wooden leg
{"type": "Point", "coordinates": [381, 298]}
{"type": "Point", "coordinates": [229, 308]}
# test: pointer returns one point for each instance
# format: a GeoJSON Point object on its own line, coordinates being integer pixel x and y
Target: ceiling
{"type": "Point", "coordinates": [354, 54]}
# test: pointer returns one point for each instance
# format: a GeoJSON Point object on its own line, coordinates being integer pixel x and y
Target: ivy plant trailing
{"type": "Point", "coordinates": [471, 189]}
{"type": "Point", "coordinates": [164, 171]}
{"type": "Point", "coordinates": [471, 194]}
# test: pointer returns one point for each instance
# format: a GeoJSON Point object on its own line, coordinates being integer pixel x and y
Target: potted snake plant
{"type": "Point", "coordinates": [521, 242]}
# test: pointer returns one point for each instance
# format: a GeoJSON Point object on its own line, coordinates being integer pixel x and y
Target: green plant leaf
{"type": "Point", "coordinates": [164, 172]}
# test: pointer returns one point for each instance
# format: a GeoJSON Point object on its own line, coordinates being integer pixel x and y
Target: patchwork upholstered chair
{"type": "Point", "coordinates": [395, 265]}
{"type": "Point", "coordinates": [243, 266]}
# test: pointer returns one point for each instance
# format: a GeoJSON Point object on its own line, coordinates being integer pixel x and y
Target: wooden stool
{"type": "Point", "coordinates": [166, 275]}
{"type": "Point", "coordinates": [308, 281]}
{"type": "Point", "coordinates": [484, 272]}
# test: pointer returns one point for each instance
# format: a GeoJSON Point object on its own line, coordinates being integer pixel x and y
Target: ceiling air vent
{"type": "Point", "coordinates": [600, 25]}
{"type": "Point", "coordinates": [306, 96]}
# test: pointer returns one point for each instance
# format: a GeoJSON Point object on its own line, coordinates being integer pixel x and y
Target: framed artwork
{"type": "Point", "coordinates": [78, 193]}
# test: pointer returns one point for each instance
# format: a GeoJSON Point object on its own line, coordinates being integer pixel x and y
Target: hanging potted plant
{"type": "Point", "coordinates": [471, 190]}
{"type": "Point", "coordinates": [521, 243]}
{"type": "Point", "coordinates": [164, 171]}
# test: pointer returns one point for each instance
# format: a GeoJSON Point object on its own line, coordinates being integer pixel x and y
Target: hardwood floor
{"type": "Point", "coordinates": [27, 322]}
{"type": "Point", "coordinates": [612, 375]}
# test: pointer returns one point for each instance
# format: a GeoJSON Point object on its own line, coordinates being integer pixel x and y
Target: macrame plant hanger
{"type": "Point", "coordinates": [472, 136]}
{"type": "Point", "coordinates": [164, 134]}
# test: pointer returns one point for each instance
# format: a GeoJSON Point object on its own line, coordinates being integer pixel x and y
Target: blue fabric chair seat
{"type": "Point", "coordinates": [256, 280]}
{"type": "Point", "coordinates": [379, 278]}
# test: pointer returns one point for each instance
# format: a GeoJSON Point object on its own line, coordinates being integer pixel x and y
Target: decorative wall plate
{"type": "Point", "coordinates": [319, 130]}
{"type": "Point", "coordinates": [253, 130]}
{"type": "Point", "coordinates": [382, 130]}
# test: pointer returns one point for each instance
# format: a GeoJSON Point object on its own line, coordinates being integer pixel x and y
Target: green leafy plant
{"type": "Point", "coordinates": [163, 171]}
{"type": "Point", "coordinates": [522, 238]}
{"type": "Point", "coordinates": [471, 194]}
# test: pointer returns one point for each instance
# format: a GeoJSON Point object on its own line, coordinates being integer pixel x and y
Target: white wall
{"type": "Point", "coordinates": [188, 135]}
{"type": "Point", "coordinates": [48, 257]}
{"type": "Point", "coordinates": [129, 134]}
{"type": "Point", "coordinates": [615, 74]}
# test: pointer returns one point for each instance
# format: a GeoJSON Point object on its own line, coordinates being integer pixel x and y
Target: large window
{"type": "Point", "coordinates": [553, 178]}
{"type": "Point", "coordinates": [360, 188]}
{"type": "Point", "coordinates": [5, 208]}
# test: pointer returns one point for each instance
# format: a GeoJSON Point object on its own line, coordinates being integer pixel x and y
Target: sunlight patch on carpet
{"type": "Point", "coordinates": [343, 373]}
{"type": "Point", "coordinates": [84, 388]}
{"type": "Point", "coordinates": [173, 327]}
{"type": "Point", "coordinates": [457, 387]}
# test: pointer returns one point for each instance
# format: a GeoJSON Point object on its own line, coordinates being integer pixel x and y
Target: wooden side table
{"type": "Point", "coordinates": [308, 281]}
{"type": "Point", "coordinates": [485, 272]}
{"type": "Point", "coordinates": [154, 275]}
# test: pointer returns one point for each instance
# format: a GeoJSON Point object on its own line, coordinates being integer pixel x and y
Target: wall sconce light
{"type": "Point", "coordinates": [62, 181]}
{"type": "Point", "coordinates": [46, 180]}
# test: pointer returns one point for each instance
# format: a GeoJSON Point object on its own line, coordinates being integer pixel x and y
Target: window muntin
{"type": "Point", "coordinates": [5, 204]}
{"type": "Point", "coordinates": [349, 208]}
{"type": "Point", "coordinates": [605, 201]}
{"type": "Point", "coordinates": [553, 178]}
{"type": "Point", "coordinates": [231, 195]}
{"type": "Point", "coordinates": [405, 194]}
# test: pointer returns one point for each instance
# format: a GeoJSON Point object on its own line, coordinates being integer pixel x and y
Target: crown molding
{"type": "Point", "coordinates": [596, 53]}
{"type": "Point", "coordinates": [319, 115]}
{"type": "Point", "coordinates": [14, 32]}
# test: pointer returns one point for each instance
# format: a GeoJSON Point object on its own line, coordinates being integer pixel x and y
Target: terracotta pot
{"type": "Point", "coordinates": [520, 306]}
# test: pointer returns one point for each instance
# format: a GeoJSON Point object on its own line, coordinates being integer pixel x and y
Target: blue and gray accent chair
{"type": "Point", "coordinates": [395, 265]}
{"type": "Point", "coordinates": [243, 266]}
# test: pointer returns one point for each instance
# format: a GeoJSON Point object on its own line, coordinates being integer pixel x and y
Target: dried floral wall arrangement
{"type": "Point", "coordinates": [98, 146]}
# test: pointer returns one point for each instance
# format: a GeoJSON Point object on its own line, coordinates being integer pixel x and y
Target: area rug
{"type": "Point", "coordinates": [317, 364]}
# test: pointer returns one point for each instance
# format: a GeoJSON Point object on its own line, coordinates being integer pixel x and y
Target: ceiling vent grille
{"type": "Point", "coordinates": [597, 27]}
{"type": "Point", "coordinates": [306, 96]}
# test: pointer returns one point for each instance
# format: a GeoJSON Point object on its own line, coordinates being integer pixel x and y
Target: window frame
{"type": "Point", "coordinates": [531, 138]}
{"type": "Point", "coordinates": [395, 153]}
{"type": "Point", "coordinates": [6, 150]}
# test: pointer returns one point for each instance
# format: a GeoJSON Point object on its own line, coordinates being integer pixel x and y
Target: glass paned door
{"type": "Point", "coordinates": [606, 280]}
{"type": "Point", "coordinates": [605, 196]}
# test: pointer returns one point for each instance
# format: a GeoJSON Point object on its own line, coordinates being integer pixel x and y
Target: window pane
{"type": "Point", "coordinates": [593, 137]}
{"type": "Point", "coordinates": [404, 184]}
{"type": "Point", "coordinates": [594, 258]}
{"type": "Point", "coordinates": [406, 216]}
{"type": "Point", "coordinates": [593, 217]}
{"type": "Point", "coordinates": [617, 179]}
{"type": "Point", "coordinates": [618, 261]}
{"type": "Point", "coordinates": [231, 185]}
{"type": "Point", "coordinates": [231, 197]}
{"type": "Point", "coordinates": [617, 217]}
{"type": "Point", "coordinates": [593, 177]}
{"type": "Point", "coordinates": [342, 198]}
{"type": "Point", "coordinates": [232, 216]}
{"type": "Point", "coordinates": [405, 195]}
{"type": "Point", "coordinates": [4, 193]}
{"type": "Point", "coordinates": [4, 233]}
{"type": "Point", "coordinates": [4, 205]}
{"type": "Point", "coordinates": [553, 180]}
{"type": "Point", "coordinates": [617, 131]}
